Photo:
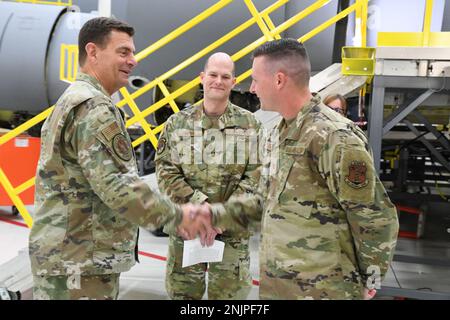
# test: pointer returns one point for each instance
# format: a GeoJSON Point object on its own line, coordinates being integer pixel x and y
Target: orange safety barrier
{"type": "Point", "coordinates": [18, 160]}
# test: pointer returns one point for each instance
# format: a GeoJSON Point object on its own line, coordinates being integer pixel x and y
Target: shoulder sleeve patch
{"type": "Point", "coordinates": [357, 175]}
{"type": "Point", "coordinates": [122, 147]}
{"type": "Point", "coordinates": [161, 145]}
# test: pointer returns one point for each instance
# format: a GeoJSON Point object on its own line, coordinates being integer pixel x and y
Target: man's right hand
{"type": "Point", "coordinates": [186, 228]}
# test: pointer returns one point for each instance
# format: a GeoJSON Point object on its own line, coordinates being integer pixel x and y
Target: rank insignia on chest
{"type": "Point", "coordinates": [122, 147]}
{"type": "Point", "coordinates": [357, 175]}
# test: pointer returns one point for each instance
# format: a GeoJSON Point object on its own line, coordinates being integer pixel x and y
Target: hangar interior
{"type": "Point", "coordinates": [390, 59]}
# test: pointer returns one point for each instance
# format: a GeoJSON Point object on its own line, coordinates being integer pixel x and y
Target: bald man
{"type": "Point", "coordinates": [205, 154]}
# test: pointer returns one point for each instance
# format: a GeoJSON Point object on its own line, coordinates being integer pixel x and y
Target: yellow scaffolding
{"type": "Point", "coordinates": [426, 38]}
{"type": "Point", "coordinates": [261, 18]}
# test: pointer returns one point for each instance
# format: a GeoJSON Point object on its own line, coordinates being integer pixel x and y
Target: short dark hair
{"type": "Point", "coordinates": [291, 54]}
{"type": "Point", "coordinates": [97, 30]}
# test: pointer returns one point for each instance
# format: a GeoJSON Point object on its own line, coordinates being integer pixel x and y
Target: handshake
{"type": "Point", "coordinates": [197, 220]}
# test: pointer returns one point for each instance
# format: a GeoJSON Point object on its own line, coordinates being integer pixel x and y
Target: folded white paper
{"type": "Point", "coordinates": [194, 253]}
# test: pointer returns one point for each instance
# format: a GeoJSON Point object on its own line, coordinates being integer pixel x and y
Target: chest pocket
{"type": "Point", "coordinates": [235, 154]}
{"type": "Point", "coordinates": [187, 152]}
{"type": "Point", "coordinates": [295, 195]}
{"type": "Point", "coordinates": [290, 158]}
{"type": "Point", "coordinates": [289, 175]}
{"type": "Point", "coordinates": [183, 150]}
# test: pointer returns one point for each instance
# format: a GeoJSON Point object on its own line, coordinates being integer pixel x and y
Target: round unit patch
{"type": "Point", "coordinates": [121, 147]}
{"type": "Point", "coordinates": [161, 145]}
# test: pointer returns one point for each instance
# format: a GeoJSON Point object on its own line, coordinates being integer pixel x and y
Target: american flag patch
{"type": "Point", "coordinates": [110, 131]}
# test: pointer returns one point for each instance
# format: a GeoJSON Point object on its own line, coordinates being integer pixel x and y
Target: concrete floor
{"type": "Point", "coordinates": [146, 279]}
{"type": "Point", "coordinates": [143, 282]}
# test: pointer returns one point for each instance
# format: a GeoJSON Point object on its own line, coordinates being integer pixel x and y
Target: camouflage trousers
{"type": "Point", "coordinates": [228, 279]}
{"type": "Point", "coordinates": [78, 287]}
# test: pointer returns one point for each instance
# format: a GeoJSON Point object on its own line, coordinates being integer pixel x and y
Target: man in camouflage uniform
{"type": "Point", "coordinates": [328, 227]}
{"type": "Point", "coordinates": [186, 174]}
{"type": "Point", "coordinates": [89, 198]}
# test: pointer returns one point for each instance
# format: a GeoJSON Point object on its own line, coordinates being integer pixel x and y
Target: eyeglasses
{"type": "Point", "coordinates": [338, 110]}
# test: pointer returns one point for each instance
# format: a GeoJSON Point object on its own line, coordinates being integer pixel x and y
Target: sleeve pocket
{"type": "Point", "coordinates": [119, 161]}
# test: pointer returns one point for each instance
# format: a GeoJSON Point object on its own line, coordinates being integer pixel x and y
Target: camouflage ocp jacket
{"type": "Point", "coordinates": [328, 225]}
{"type": "Point", "coordinates": [202, 159]}
{"type": "Point", "coordinates": [89, 198]}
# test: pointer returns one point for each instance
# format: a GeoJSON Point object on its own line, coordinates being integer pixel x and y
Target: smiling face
{"type": "Point", "coordinates": [113, 64]}
{"type": "Point", "coordinates": [218, 78]}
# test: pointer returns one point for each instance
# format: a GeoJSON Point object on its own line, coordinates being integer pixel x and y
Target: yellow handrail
{"type": "Point", "coordinates": [427, 22]}
{"type": "Point", "coordinates": [67, 3]}
{"type": "Point", "coordinates": [301, 15]}
{"type": "Point", "coordinates": [15, 198]}
{"type": "Point", "coordinates": [25, 126]}
{"type": "Point", "coordinates": [202, 53]}
{"type": "Point", "coordinates": [364, 4]}
{"type": "Point", "coordinates": [425, 38]}
{"type": "Point", "coordinates": [328, 23]}
{"type": "Point", "coordinates": [25, 186]}
{"type": "Point", "coordinates": [259, 20]}
{"type": "Point", "coordinates": [138, 114]}
{"type": "Point", "coordinates": [262, 19]}
{"type": "Point", "coordinates": [243, 52]}
{"type": "Point", "coordinates": [185, 27]}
